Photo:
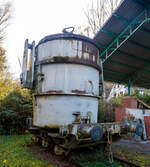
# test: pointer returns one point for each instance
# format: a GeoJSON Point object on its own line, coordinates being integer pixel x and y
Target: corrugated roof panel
{"type": "Point", "coordinates": [131, 60]}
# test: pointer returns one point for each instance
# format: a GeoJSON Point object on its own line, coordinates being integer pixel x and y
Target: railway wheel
{"type": "Point", "coordinates": [36, 140]}
{"type": "Point", "coordinates": [45, 143]}
{"type": "Point", "coordinates": [58, 150]}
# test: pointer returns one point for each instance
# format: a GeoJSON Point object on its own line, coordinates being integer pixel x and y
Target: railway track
{"type": "Point", "coordinates": [119, 160]}
{"type": "Point", "coordinates": [125, 162]}
{"type": "Point", "coordinates": [72, 160]}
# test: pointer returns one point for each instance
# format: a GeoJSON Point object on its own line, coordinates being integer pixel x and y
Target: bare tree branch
{"type": "Point", "coordinates": [97, 14]}
{"type": "Point", "coordinates": [4, 18]}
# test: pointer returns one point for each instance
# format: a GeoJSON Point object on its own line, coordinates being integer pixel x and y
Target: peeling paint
{"type": "Point", "coordinates": [54, 91]}
{"type": "Point", "coordinates": [79, 91]}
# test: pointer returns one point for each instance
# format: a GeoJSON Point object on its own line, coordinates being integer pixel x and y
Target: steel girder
{"type": "Point", "coordinates": [125, 35]}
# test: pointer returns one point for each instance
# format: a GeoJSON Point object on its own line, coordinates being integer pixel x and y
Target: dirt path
{"type": "Point", "coordinates": [59, 161]}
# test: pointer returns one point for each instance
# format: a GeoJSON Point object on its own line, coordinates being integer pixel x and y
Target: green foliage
{"type": "Point", "coordinates": [145, 97]}
{"type": "Point", "coordinates": [2, 59]}
{"type": "Point", "coordinates": [106, 110]}
{"type": "Point", "coordinates": [15, 102]}
{"type": "Point", "coordinates": [15, 108]}
{"type": "Point", "coordinates": [5, 14]}
{"type": "Point", "coordinates": [98, 158]}
{"type": "Point", "coordinates": [14, 153]}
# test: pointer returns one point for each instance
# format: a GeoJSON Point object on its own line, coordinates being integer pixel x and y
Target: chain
{"type": "Point", "coordinates": [109, 142]}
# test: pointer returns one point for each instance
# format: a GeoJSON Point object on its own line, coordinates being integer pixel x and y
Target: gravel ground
{"type": "Point", "coordinates": [136, 152]}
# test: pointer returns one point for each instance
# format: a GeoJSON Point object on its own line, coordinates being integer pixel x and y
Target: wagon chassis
{"type": "Point", "coordinates": [63, 144]}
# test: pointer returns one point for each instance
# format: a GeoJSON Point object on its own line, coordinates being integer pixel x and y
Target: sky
{"type": "Point", "coordinates": [34, 19]}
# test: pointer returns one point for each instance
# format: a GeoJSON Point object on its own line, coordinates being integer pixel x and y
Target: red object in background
{"type": "Point", "coordinates": [119, 113]}
{"type": "Point", "coordinates": [127, 102]}
{"type": "Point", "coordinates": [147, 126]}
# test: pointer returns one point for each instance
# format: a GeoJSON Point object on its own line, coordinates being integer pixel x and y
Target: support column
{"type": "Point", "coordinates": [129, 87]}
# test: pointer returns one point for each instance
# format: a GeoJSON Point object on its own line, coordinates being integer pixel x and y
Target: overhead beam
{"type": "Point", "coordinates": [122, 74]}
{"type": "Point", "coordinates": [139, 45]}
{"type": "Point", "coordinates": [137, 75]}
{"type": "Point", "coordinates": [132, 42]}
{"type": "Point", "coordinates": [145, 30]}
{"type": "Point", "coordinates": [127, 66]}
{"type": "Point", "coordinates": [119, 81]}
{"type": "Point", "coordinates": [143, 3]}
{"type": "Point", "coordinates": [129, 21]}
{"type": "Point", "coordinates": [132, 56]}
{"type": "Point", "coordinates": [126, 54]}
{"type": "Point", "coordinates": [114, 72]}
{"type": "Point", "coordinates": [109, 32]}
{"type": "Point", "coordinates": [114, 80]}
{"type": "Point", "coordinates": [121, 18]}
{"type": "Point", "coordinates": [130, 29]}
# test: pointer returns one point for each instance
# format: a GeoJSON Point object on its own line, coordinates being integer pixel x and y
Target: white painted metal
{"type": "Point", "coordinates": [64, 48]}
{"type": "Point", "coordinates": [69, 77]}
{"type": "Point", "coordinates": [139, 114]}
{"type": "Point", "coordinates": [74, 79]}
{"type": "Point", "coordinates": [55, 110]}
{"type": "Point", "coordinates": [25, 62]}
{"type": "Point", "coordinates": [32, 61]}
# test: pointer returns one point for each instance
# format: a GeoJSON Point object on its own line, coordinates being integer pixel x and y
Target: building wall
{"type": "Point", "coordinates": [127, 102]}
{"type": "Point", "coordinates": [129, 108]}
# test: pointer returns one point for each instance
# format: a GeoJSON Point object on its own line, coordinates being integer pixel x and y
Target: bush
{"type": "Point", "coordinates": [106, 110]}
{"type": "Point", "coordinates": [145, 97]}
{"type": "Point", "coordinates": [15, 108]}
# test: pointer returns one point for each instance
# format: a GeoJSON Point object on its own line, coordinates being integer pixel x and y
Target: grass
{"type": "Point", "coordinates": [138, 158]}
{"type": "Point", "coordinates": [97, 158]}
{"type": "Point", "coordinates": [14, 153]}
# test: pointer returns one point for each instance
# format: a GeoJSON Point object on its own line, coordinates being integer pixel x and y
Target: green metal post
{"type": "Point", "coordinates": [129, 88]}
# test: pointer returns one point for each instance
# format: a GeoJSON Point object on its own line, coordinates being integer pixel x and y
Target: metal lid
{"type": "Point", "coordinates": [66, 36]}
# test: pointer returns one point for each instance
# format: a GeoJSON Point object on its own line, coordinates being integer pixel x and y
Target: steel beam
{"type": "Point", "coordinates": [132, 42]}
{"type": "Point", "coordinates": [139, 45]}
{"type": "Point", "coordinates": [115, 80]}
{"type": "Point", "coordinates": [101, 45]}
{"type": "Point", "coordinates": [109, 32]}
{"type": "Point", "coordinates": [126, 54]}
{"type": "Point", "coordinates": [122, 82]}
{"type": "Point", "coordinates": [145, 30]}
{"type": "Point", "coordinates": [127, 66]}
{"type": "Point", "coordinates": [121, 18]}
{"type": "Point", "coordinates": [129, 21]}
{"type": "Point", "coordinates": [114, 72]}
{"type": "Point", "coordinates": [132, 56]}
{"type": "Point", "coordinates": [131, 29]}
{"type": "Point", "coordinates": [136, 76]}
{"type": "Point", "coordinates": [143, 3]}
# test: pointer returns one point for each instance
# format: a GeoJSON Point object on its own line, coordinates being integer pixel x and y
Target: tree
{"type": "Point", "coordinates": [15, 102]}
{"type": "Point", "coordinates": [5, 76]}
{"type": "Point", "coordinates": [5, 15]}
{"type": "Point", "coordinates": [96, 15]}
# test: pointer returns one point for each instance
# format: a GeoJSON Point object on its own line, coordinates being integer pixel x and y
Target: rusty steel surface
{"type": "Point", "coordinates": [68, 51]}
{"type": "Point", "coordinates": [67, 81]}
{"type": "Point", "coordinates": [69, 78]}
{"type": "Point", "coordinates": [61, 93]}
{"type": "Point", "coordinates": [55, 111]}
